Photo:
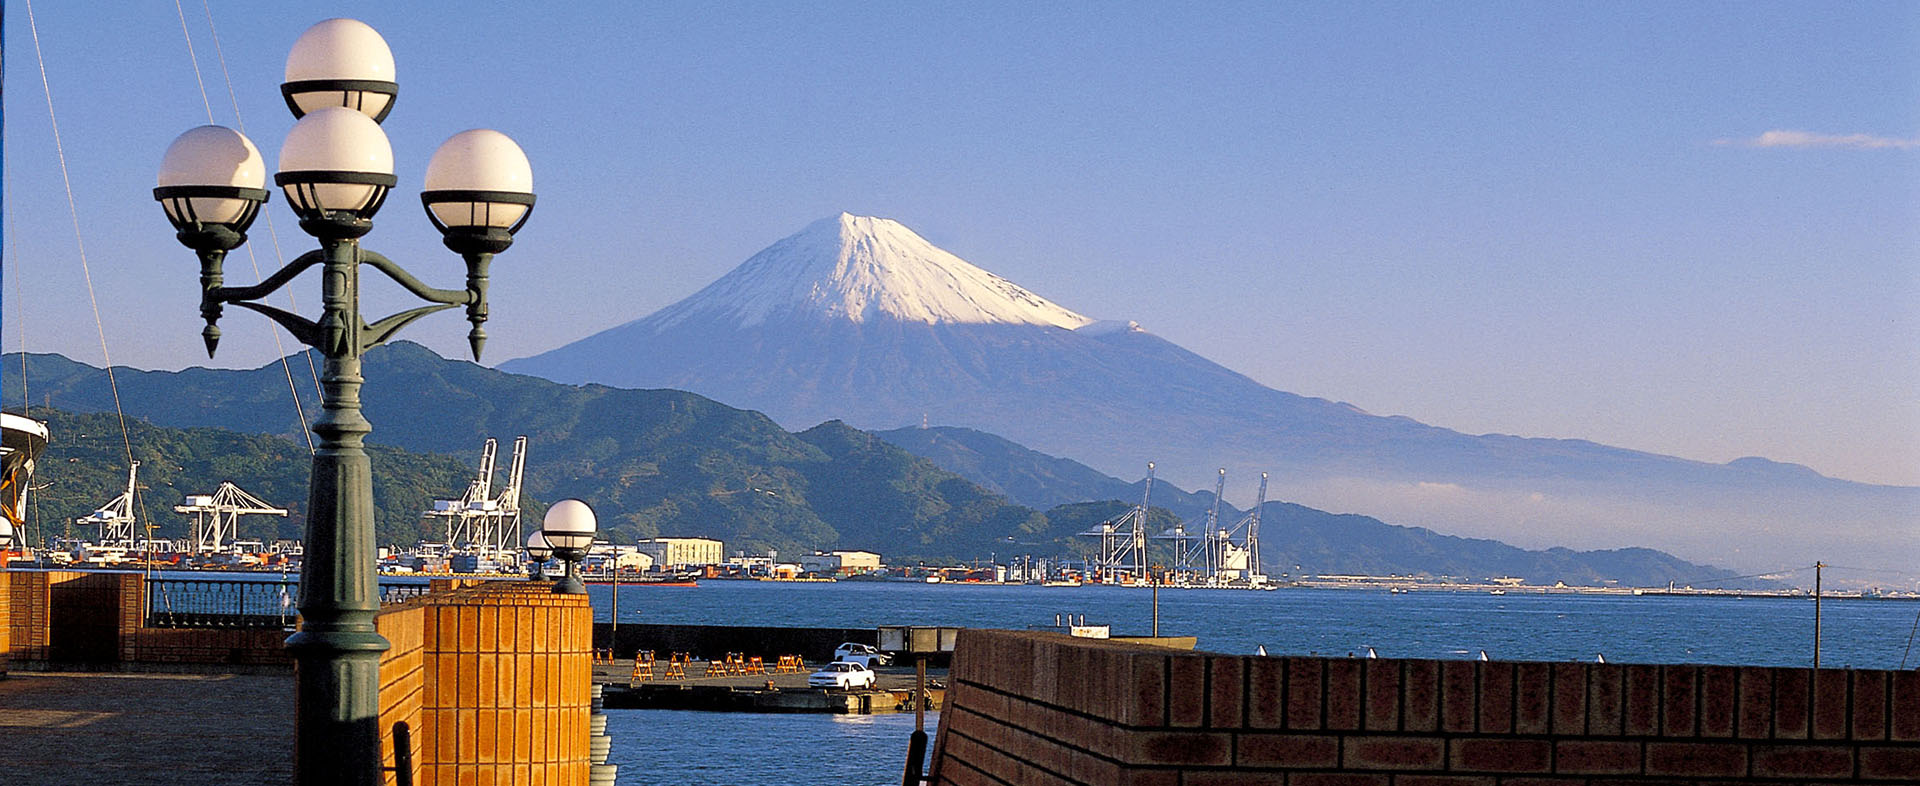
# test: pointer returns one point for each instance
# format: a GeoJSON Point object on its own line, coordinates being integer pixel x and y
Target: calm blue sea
{"type": "Point", "coordinates": [674, 748]}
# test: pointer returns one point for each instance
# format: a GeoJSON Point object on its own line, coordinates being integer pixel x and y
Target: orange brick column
{"type": "Point", "coordinates": [506, 674]}
{"type": "Point", "coordinates": [1042, 709]}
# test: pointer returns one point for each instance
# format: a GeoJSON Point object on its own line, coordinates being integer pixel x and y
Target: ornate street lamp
{"type": "Point", "coordinates": [336, 168]}
{"type": "Point", "coordinates": [569, 528]}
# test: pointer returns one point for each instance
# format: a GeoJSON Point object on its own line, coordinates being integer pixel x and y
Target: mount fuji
{"type": "Point", "coordinates": [862, 320]}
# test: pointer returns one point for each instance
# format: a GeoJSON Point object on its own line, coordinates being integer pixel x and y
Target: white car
{"type": "Point", "coordinates": [865, 654]}
{"type": "Point", "coordinates": [844, 675]}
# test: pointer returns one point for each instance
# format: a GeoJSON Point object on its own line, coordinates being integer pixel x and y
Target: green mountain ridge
{"type": "Point", "coordinates": [663, 462]}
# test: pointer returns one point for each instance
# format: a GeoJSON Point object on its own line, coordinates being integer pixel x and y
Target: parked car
{"type": "Point", "coordinates": [865, 654]}
{"type": "Point", "coordinates": [845, 675]}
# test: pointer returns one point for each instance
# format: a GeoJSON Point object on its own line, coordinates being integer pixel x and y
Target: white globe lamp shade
{"type": "Point", "coordinates": [569, 524]}
{"type": "Point", "coordinates": [212, 175]}
{"type": "Point", "coordinates": [344, 63]}
{"type": "Point", "coordinates": [478, 178]}
{"type": "Point", "coordinates": [537, 548]}
{"type": "Point", "coordinates": [336, 160]}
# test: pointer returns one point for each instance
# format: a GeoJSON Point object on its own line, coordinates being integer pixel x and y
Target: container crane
{"type": "Point", "coordinates": [479, 523]}
{"type": "Point", "coordinates": [216, 516]}
{"type": "Point", "coordinates": [115, 519]}
{"type": "Point", "coordinates": [1123, 541]}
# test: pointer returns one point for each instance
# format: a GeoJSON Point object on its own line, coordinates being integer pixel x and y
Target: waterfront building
{"type": "Point", "coordinates": [683, 551]}
{"type": "Point", "coordinates": [627, 558]}
{"type": "Point", "coordinates": [840, 562]}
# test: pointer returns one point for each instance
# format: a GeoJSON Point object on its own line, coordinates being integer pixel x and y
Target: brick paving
{"type": "Point", "coordinates": [93, 728]}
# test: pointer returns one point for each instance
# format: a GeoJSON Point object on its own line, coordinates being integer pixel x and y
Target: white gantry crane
{"type": "Point", "coordinates": [216, 517]}
{"type": "Point", "coordinates": [1237, 564]}
{"type": "Point", "coordinates": [115, 519]}
{"type": "Point", "coordinates": [1123, 542]}
{"type": "Point", "coordinates": [480, 521]}
{"type": "Point", "coordinates": [1213, 542]}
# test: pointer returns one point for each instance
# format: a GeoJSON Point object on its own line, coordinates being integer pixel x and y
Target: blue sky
{"type": "Point", "coordinates": [1565, 220]}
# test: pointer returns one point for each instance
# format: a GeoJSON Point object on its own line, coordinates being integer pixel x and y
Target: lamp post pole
{"type": "Point", "coordinates": [336, 168]}
{"type": "Point", "coordinates": [337, 650]}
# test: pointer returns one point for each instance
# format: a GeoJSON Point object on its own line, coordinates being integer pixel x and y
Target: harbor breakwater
{"type": "Point", "coordinates": [703, 642]}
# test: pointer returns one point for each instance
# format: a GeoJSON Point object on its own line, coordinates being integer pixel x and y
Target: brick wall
{"type": "Point", "coordinates": [71, 616]}
{"type": "Point", "coordinates": [403, 676]}
{"type": "Point", "coordinates": [224, 648]}
{"type": "Point", "coordinates": [1038, 709]}
{"type": "Point", "coordinates": [27, 616]}
{"type": "Point", "coordinates": [6, 621]}
{"type": "Point", "coordinates": [59, 618]}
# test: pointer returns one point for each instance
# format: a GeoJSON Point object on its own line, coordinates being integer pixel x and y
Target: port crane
{"type": "Point", "coordinates": [115, 519]}
{"type": "Point", "coordinates": [1218, 555]}
{"type": "Point", "coordinates": [1238, 564]}
{"type": "Point", "coordinates": [216, 516]}
{"type": "Point", "coordinates": [481, 521]}
{"type": "Point", "coordinates": [1123, 541]}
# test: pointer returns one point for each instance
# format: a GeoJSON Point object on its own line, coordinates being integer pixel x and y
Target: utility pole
{"type": "Point", "coordinates": [1154, 574]}
{"type": "Point", "coordinates": [1817, 568]}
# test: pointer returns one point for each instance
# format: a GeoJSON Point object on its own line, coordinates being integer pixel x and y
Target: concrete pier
{"type": "Point", "coordinates": [893, 692]}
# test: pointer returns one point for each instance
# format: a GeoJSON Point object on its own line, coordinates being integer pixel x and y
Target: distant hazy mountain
{"type": "Point", "coordinates": [1035, 479]}
{"type": "Point", "coordinates": [667, 462]}
{"type": "Point", "coordinates": [862, 320]}
{"type": "Point", "coordinates": [1296, 540]}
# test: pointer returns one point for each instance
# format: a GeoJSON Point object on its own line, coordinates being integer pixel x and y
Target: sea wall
{"type": "Point", "coordinates": [1040, 709]}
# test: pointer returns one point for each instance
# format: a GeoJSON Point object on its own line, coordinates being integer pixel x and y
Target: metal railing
{"type": "Point", "coordinates": [241, 603]}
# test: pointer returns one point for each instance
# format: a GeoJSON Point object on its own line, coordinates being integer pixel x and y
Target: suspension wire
{"type": "Point", "coordinates": [1882, 571]}
{"type": "Point", "coordinates": [195, 60]}
{"type": "Point", "coordinates": [1762, 575]}
{"type": "Point", "coordinates": [272, 234]}
{"type": "Point", "coordinates": [13, 248]}
{"type": "Point", "coordinates": [73, 213]}
{"type": "Point", "coordinates": [26, 401]}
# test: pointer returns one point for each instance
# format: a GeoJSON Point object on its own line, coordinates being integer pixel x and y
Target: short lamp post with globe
{"type": "Point", "coordinates": [569, 528]}
{"type": "Point", "coordinates": [538, 552]}
{"type": "Point", "coordinates": [335, 169]}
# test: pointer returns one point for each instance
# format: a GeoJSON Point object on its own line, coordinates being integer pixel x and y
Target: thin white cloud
{"type": "Point", "coordinates": [1806, 139]}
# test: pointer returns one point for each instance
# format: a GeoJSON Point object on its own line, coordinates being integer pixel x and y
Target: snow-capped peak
{"type": "Point", "coordinates": [1107, 327]}
{"type": "Point", "coordinates": [861, 268]}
